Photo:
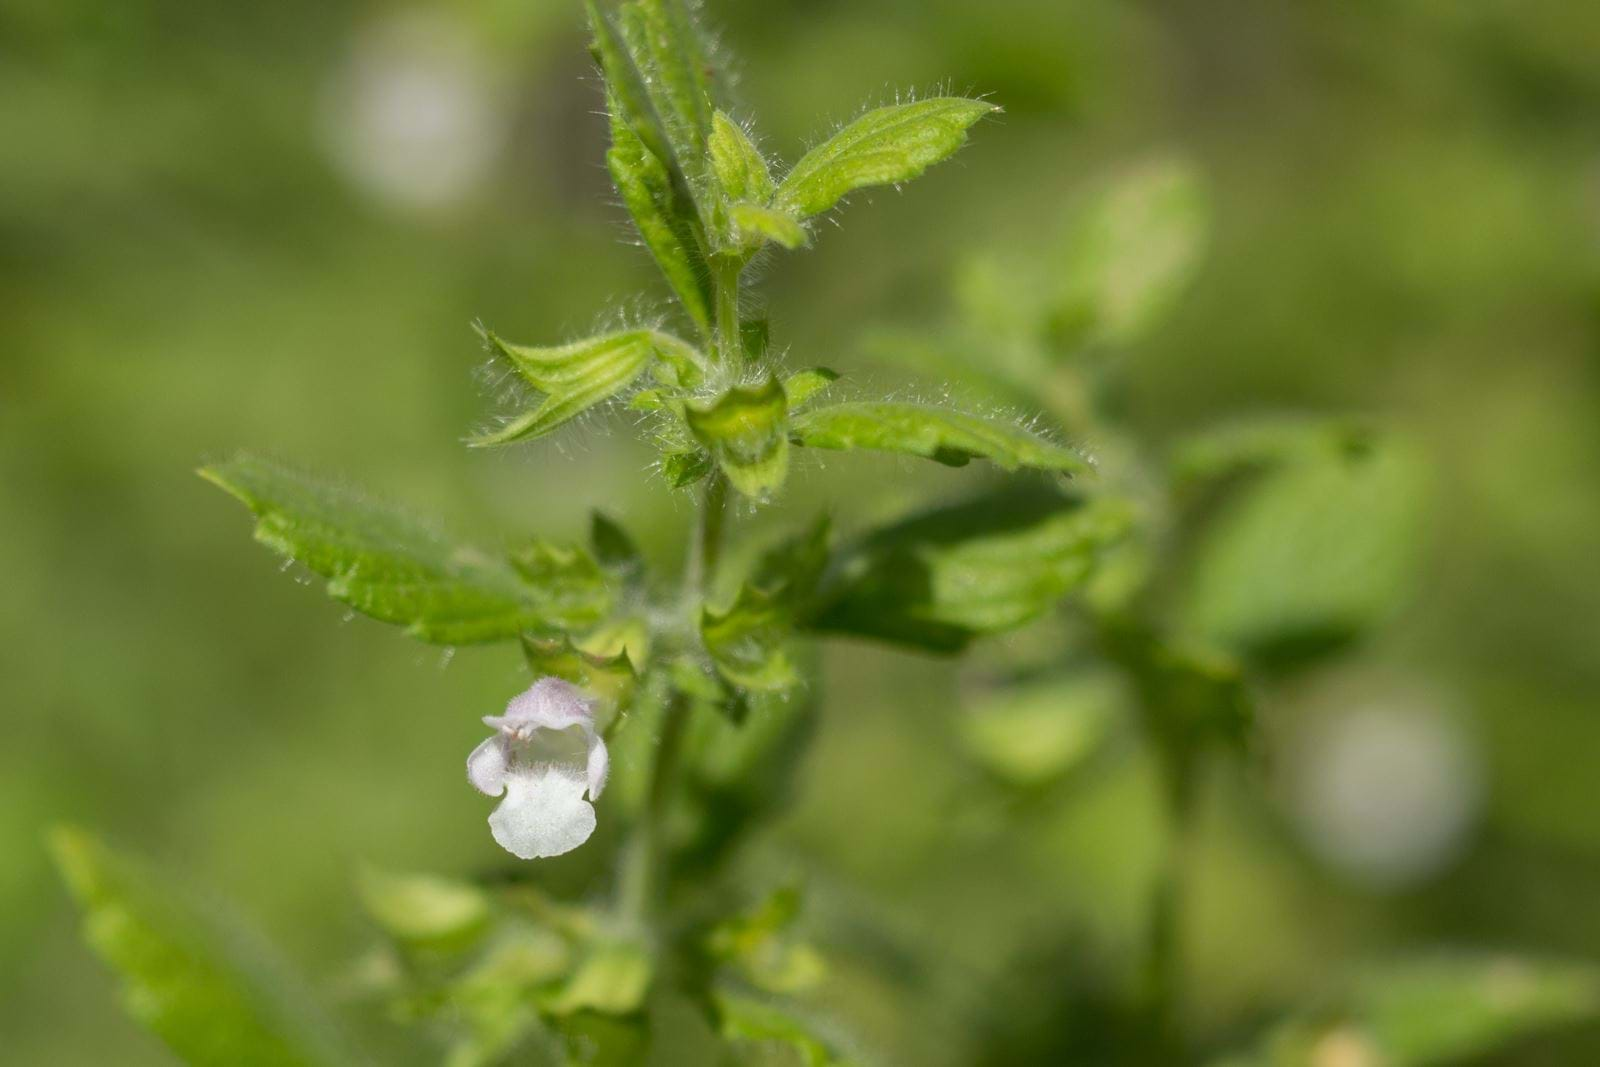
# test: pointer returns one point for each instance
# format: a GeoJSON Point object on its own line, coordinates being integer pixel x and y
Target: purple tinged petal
{"type": "Point", "coordinates": [486, 767]}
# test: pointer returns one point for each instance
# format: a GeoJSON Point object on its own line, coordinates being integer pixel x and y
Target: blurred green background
{"type": "Point", "coordinates": [271, 226]}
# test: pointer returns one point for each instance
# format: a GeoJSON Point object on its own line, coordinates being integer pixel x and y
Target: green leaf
{"type": "Point", "coordinates": [574, 377]}
{"type": "Point", "coordinates": [1191, 695]}
{"type": "Point", "coordinates": [1268, 441]}
{"type": "Point", "coordinates": [939, 579]}
{"type": "Point", "coordinates": [1030, 735]}
{"type": "Point", "coordinates": [758, 224]}
{"type": "Point", "coordinates": [666, 223]}
{"type": "Point", "coordinates": [745, 1018]}
{"type": "Point", "coordinates": [883, 147]}
{"type": "Point", "coordinates": [612, 979]}
{"type": "Point", "coordinates": [1443, 1010]}
{"type": "Point", "coordinates": [949, 437]}
{"type": "Point", "coordinates": [389, 566]}
{"type": "Point", "coordinates": [744, 430]}
{"type": "Point", "coordinates": [424, 911]}
{"type": "Point", "coordinates": [666, 48]}
{"type": "Point", "coordinates": [1132, 253]}
{"type": "Point", "coordinates": [686, 468]}
{"type": "Point", "coordinates": [739, 166]}
{"type": "Point", "coordinates": [613, 548]}
{"type": "Point", "coordinates": [185, 977]}
{"type": "Point", "coordinates": [801, 386]}
{"type": "Point", "coordinates": [761, 946]}
{"type": "Point", "coordinates": [749, 640]}
{"type": "Point", "coordinates": [1311, 557]}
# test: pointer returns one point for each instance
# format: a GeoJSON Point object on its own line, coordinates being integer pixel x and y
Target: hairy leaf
{"type": "Point", "coordinates": [739, 166]}
{"type": "Point", "coordinates": [666, 223]}
{"type": "Point", "coordinates": [937, 580]}
{"type": "Point", "coordinates": [573, 377]}
{"type": "Point", "coordinates": [801, 386]}
{"type": "Point", "coordinates": [884, 146]}
{"type": "Point", "coordinates": [1132, 253]}
{"type": "Point", "coordinates": [949, 437]}
{"type": "Point", "coordinates": [384, 564]}
{"type": "Point", "coordinates": [744, 430]}
{"type": "Point", "coordinates": [193, 982]}
{"type": "Point", "coordinates": [666, 48]}
{"type": "Point", "coordinates": [758, 224]}
{"type": "Point", "coordinates": [1435, 1011]}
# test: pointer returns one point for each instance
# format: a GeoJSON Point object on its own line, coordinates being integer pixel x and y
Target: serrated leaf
{"type": "Point", "coordinates": [939, 579]}
{"type": "Point", "coordinates": [801, 386]}
{"type": "Point", "coordinates": [884, 146]}
{"type": "Point", "coordinates": [744, 429]}
{"type": "Point", "coordinates": [665, 222]}
{"type": "Point", "coordinates": [185, 977]}
{"type": "Point", "coordinates": [424, 911]}
{"type": "Point", "coordinates": [949, 437]}
{"type": "Point", "coordinates": [1443, 1010]}
{"type": "Point", "coordinates": [1311, 557]}
{"type": "Point", "coordinates": [1030, 735]}
{"type": "Point", "coordinates": [745, 1018]}
{"type": "Point", "coordinates": [758, 224]}
{"type": "Point", "coordinates": [1131, 253]}
{"type": "Point", "coordinates": [573, 377]}
{"type": "Point", "coordinates": [387, 565]}
{"type": "Point", "coordinates": [739, 166]}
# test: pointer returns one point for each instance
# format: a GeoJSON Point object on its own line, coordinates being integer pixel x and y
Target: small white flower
{"type": "Point", "coordinates": [544, 755]}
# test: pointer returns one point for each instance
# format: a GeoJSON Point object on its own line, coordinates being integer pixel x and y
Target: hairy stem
{"type": "Point", "coordinates": [729, 347]}
{"type": "Point", "coordinates": [640, 877]}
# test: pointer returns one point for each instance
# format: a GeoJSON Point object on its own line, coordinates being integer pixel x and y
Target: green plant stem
{"type": "Point", "coordinates": [643, 858]}
{"type": "Point", "coordinates": [1162, 975]}
{"type": "Point", "coordinates": [729, 346]}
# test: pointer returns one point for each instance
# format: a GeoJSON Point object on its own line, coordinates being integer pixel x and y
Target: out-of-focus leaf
{"type": "Point", "coordinates": [609, 677]}
{"type": "Point", "coordinates": [496, 998]}
{"type": "Point", "coordinates": [384, 564]}
{"type": "Point", "coordinates": [761, 946]}
{"type": "Point", "coordinates": [425, 911]}
{"type": "Point", "coordinates": [801, 386]}
{"type": "Point", "coordinates": [739, 166]}
{"type": "Point", "coordinates": [612, 979]}
{"type": "Point", "coordinates": [885, 146]}
{"type": "Point", "coordinates": [1132, 253]}
{"type": "Point", "coordinates": [937, 580]}
{"type": "Point", "coordinates": [949, 437]}
{"type": "Point", "coordinates": [184, 977]}
{"type": "Point", "coordinates": [573, 377]}
{"type": "Point", "coordinates": [746, 1018]}
{"type": "Point", "coordinates": [613, 548]}
{"type": "Point", "coordinates": [1313, 555]}
{"type": "Point", "coordinates": [594, 1039]}
{"type": "Point", "coordinates": [665, 222]}
{"type": "Point", "coordinates": [1191, 695]}
{"type": "Point", "coordinates": [1032, 734]}
{"type": "Point", "coordinates": [758, 223]}
{"type": "Point", "coordinates": [1265, 442]}
{"type": "Point", "coordinates": [744, 430]}
{"type": "Point", "coordinates": [1433, 1012]}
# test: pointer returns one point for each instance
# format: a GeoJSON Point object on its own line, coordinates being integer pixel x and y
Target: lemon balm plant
{"type": "Point", "coordinates": [699, 678]}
